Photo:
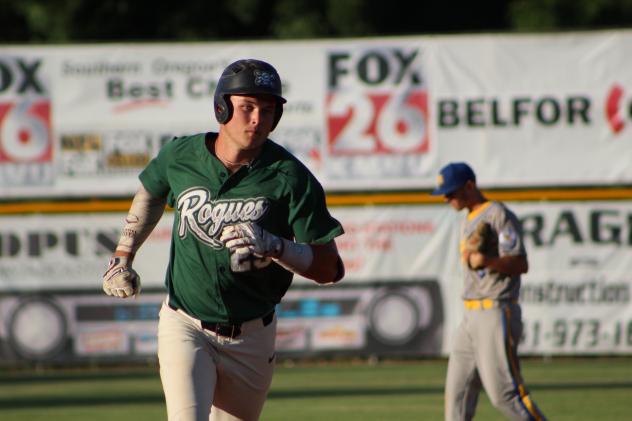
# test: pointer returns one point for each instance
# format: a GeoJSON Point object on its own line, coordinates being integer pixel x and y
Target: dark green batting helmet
{"type": "Point", "coordinates": [247, 77]}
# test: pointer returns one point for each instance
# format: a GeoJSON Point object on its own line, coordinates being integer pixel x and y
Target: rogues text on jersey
{"type": "Point", "coordinates": [205, 218]}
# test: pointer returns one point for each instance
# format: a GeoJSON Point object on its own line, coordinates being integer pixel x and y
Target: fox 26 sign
{"type": "Point", "coordinates": [376, 102]}
{"type": "Point", "coordinates": [25, 129]}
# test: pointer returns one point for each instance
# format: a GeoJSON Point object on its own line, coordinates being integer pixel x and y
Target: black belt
{"type": "Point", "coordinates": [226, 329]}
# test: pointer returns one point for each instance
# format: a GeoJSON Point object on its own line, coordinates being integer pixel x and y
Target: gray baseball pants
{"type": "Point", "coordinates": [484, 355]}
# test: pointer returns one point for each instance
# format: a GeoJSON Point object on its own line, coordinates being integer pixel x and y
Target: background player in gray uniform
{"type": "Point", "coordinates": [248, 215]}
{"type": "Point", "coordinates": [484, 352]}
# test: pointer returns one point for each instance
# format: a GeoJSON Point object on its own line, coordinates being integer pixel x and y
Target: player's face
{"type": "Point", "coordinates": [457, 198]}
{"type": "Point", "coordinates": [251, 121]}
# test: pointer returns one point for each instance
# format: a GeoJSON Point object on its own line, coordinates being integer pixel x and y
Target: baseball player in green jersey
{"type": "Point", "coordinates": [248, 215]}
{"type": "Point", "coordinates": [484, 352]}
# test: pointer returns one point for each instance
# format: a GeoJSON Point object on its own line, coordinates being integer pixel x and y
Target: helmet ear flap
{"type": "Point", "coordinates": [278, 112]}
{"type": "Point", "coordinates": [223, 109]}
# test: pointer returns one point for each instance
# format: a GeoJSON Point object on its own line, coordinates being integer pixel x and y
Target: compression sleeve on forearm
{"type": "Point", "coordinates": [143, 215]}
{"type": "Point", "coordinates": [295, 257]}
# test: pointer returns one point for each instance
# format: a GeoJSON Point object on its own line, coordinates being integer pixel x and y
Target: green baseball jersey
{"type": "Point", "coordinates": [275, 190]}
{"type": "Point", "coordinates": [483, 283]}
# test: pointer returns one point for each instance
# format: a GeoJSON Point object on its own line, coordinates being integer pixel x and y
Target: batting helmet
{"type": "Point", "coordinates": [247, 77]}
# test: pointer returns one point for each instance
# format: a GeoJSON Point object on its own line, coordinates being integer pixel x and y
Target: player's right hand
{"type": "Point", "coordinates": [252, 236]}
{"type": "Point", "coordinates": [476, 260]}
{"type": "Point", "coordinates": [120, 280]}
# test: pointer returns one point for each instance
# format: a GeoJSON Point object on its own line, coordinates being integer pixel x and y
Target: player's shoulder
{"type": "Point", "coordinates": [185, 142]}
{"type": "Point", "coordinates": [495, 206]}
{"type": "Point", "coordinates": [182, 146]}
{"type": "Point", "coordinates": [500, 212]}
{"type": "Point", "coordinates": [284, 163]}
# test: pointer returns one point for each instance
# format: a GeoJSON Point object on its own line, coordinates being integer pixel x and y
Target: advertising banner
{"type": "Point", "coordinates": [577, 294]}
{"type": "Point", "coordinates": [27, 141]}
{"type": "Point", "coordinates": [401, 293]}
{"type": "Point", "coordinates": [356, 113]}
{"type": "Point", "coordinates": [71, 251]}
{"type": "Point", "coordinates": [362, 114]}
{"type": "Point", "coordinates": [369, 117]}
{"type": "Point", "coordinates": [51, 268]}
{"type": "Point", "coordinates": [535, 110]}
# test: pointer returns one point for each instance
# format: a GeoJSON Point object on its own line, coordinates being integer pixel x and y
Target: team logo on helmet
{"type": "Point", "coordinates": [263, 78]}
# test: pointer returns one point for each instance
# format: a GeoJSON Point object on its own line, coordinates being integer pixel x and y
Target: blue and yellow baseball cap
{"type": "Point", "coordinates": [453, 176]}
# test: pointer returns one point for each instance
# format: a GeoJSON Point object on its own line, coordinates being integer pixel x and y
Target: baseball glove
{"type": "Point", "coordinates": [483, 240]}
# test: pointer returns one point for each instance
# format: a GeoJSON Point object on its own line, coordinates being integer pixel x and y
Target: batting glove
{"type": "Point", "coordinates": [120, 280]}
{"type": "Point", "coordinates": [250, 235]}
{"type": "Point", "coordinates": [251, 247]}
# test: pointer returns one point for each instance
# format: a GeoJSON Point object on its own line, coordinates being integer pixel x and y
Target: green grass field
{"type": "Point", "coordinates": [564, 388]}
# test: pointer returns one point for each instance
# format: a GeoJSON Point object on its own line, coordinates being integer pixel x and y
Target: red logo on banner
{"type": "Point", "coordinates": [25, 132]}
{"type": "Point", "coordinates": [613, 108]}
{"type": "Point", "coordinates": [384, 123]}
{"type": "Point", "coordinates": [377, 102]}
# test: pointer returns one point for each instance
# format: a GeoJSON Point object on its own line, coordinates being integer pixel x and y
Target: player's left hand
{"type": "Point", "coordinates": [249, 235]}
{"type": "Point", "coordinates": [483, 240]}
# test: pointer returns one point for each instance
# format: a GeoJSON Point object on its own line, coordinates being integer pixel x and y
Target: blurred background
{"type": "Point", "coordinates": [535, 95]}
{"type": "Point", "coordinates": [71, 21]}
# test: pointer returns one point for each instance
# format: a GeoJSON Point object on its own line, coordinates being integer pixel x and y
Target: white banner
{"type": "Point", "coordinates": [576, 296]}
{"type": "Point", "coordinates": [356, 112]}
{"type": "Point", "coordinates": [535, 110]}
{"type": "Point", "coordinates": [362, 114]}
{"type": "Point", "coordinates": [527, 111]}
{"type": "Point", "coordinates": [71, 252]}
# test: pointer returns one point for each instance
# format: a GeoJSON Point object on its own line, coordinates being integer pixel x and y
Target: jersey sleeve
{"type": "Point", "coordinates": [309, 217]}
{"type": "Point", "coordinates": [510, 240]}
{"type": "Point", "coordinates": [154, 176]}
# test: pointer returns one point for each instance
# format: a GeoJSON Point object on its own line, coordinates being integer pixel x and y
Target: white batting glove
{"type": "Point", "coordinates": [250, 235]}
{"type": "Point", "coordinates": [251, 247]}
{"type": "Point", "coordinates": [120, 280]}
